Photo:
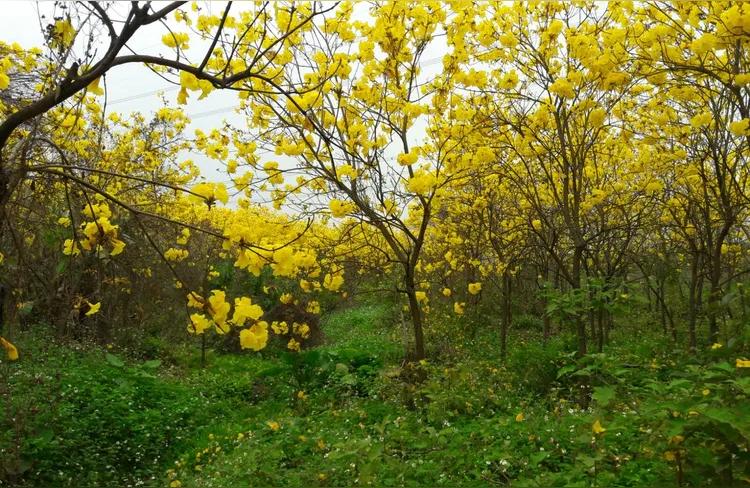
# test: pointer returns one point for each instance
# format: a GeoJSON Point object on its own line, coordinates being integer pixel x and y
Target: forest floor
{"type": "Point", "coordinates": [349, 413]}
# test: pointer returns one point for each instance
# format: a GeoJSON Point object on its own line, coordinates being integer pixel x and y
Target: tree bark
{"type": "Point", "coordinates": [416, 315]}
{"type": "Point", "coordinates": [692, 299]}
{"type": "Point", "coordinates": [507, 315]}
{"type": "Point", "coordinates": [576, 285]}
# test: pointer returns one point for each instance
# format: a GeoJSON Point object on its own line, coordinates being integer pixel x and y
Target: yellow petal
{"type": "Point", "coordinates": [9, 348]}
{"type": "Point", "coordinates": [93, 308]}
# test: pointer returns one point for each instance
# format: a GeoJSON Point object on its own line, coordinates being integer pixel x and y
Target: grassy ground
{"type": "Point", "coordinates": [347, 413]}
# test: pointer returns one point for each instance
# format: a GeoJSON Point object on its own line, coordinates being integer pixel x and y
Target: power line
{"type": "Point", "coordinates": [143, 95]}
{"type": "Point", "coordinates": [210, 112]}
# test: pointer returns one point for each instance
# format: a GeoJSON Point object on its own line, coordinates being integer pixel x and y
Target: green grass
{"type": "Point", "coordinates": [347, 413]}
{"type": "Point", "coordinates": [364, 327]}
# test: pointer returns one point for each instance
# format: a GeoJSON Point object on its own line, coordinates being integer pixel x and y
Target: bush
{"type": "Point", "coordinates": [528, 322]}
{"type": "Point", "coordinates": [536, 365]}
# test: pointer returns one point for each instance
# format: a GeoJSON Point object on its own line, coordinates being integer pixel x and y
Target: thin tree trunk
{"type": "Point", "coordinates": [507, 315]}
{"type": "Point", "coordinates": [608, 327]}
{"type": "Point", "coordinates": [743, 305]}
{"type": "Point", "coordinates": [576, 285]}
{"type": "Point", "coordinates": [416, 316]}
{"type": "Point", "coordinates": [600, 322]}
{"type": "Point", "coordinates": [714, 298]}
{"type": "Point", "coordinates": [692, 305]}
{"type": "Point", "coordinates": [660, 302]}
{"type": "Point", "coordinates": [648, 296]}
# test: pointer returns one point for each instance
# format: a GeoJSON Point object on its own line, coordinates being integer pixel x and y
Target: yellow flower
{"type": "Point", "coordinates": [475, 288]}
{"type": "Point", "coordinates": [93, 308]}
{"type": "Point", "coordinates": [175, 484]}
{"type": "Point", "coordinates": [740, 128]}
{"type": "Point", "coordinates": [333, 282]}
{"type": "Point", "coordinates": [339, 208]}
{"type": "Point", "coordinates": [176, 39]}
{"type": "Point", "coordinates": [520, 417]}
{"type": "Point", "coordinates": [198, 323]}
{"type": "Point", "coordinates": [597, 427]}
{"type": "Point", "coordinates": [302, 330]}
{"type": "Point", "coordinates": [313, 307]}
{"type": "Point", "coordinates": [421, 183]}
{"type": "Point", "coordinates": [273, 425]}
{"type": "Point", "coordinates": [255, 338]}
{"type": "Point", "coordinates": [293, 345]}
{"type": "Point", "coordinates": [407, 159]}
{"type": "Point", "coordinates": [218, 306]}
{"type": "Point", "coordinates": [701, 119]}
{"type": "Point", "coordinates": [301, 395]}
{"type": "Point", "coordinates": [279, 327]}
{"type": "Point", "coordinates": [175, 255]}
{"type": "Point", "coordinates": [209, 193]}
{"type": "Point", "coordinates": [347, 170]}
{"type": "Point", "coordinates": [715, 346]}
{"type": "Point", "coordinates": [195, 301]}
{"type": "Point", "coordinates": [458, 308]}
{"type": "Point", "coordinates": [10, 349]}
{"type": "Point", "coordinates": [244, 309]}
{"type": "Point", "coordinates": [95, 88]}
{"type": "Point", "coordinates": [447, 292]}
{"type": "Point", "coordinates": [286, 298]}
{"type": "Point", "coordinates": [63, 32]}
{"type": "Point", "coordinates": [563, 88]}
{"type": "Point", "coordinates": [742, 363]}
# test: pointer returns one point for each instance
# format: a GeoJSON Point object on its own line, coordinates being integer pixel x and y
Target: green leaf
{"type": "Point", "coordinates": [342, 368]}
{"type": "Point", "coordinates": [743, 384]}
{"type": "Point", "coordinates": [723, 366]}
{"type": "Point", "coordinates": [566, 370]}
{"type": "Point", "coordinates": [727, 417]}
{"type": "Point", "coordinates": [603, 395]}
{"type": "Point", "coordinates": [152, 364]}
{"type": "Point", "coordinates": [114, 360]}
{"type": "Point", "coordinates": [538, 457]}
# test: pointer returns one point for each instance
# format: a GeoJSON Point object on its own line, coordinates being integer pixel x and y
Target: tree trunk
{"type": "Point", "coordinates": [692, 305]}
{"type": "Point", "coordinates": [600, 317]}
{"type": "Point", "coordinates": [576, 285]}
{"type": "Point", "coordinates": [647, 289]}
{"type": "Point", "coordinates": [608, 327]}
{"type": "Point", "coordinates": [743, 305]}
{"type": "Point", "coordinates": [714, 299]}
{"type": "Point", "coordinates": [507, 315]}
{"type": "Point", "coordinates": [416, 316]}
